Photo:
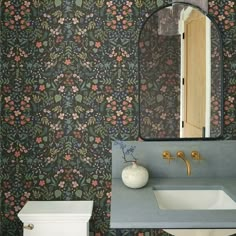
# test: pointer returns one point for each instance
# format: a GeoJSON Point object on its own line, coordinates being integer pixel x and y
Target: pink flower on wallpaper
{"type": "Point", "coordinates": [169, 62]}
{"type": "Point", "coordinates": [143, 87]}
{"type": "Point", "coordinates": [112, 119]}
{"type": "Point", "coordinates": [215, 120]}
{"type": "Point", "coordinates": [98, 140]}
{"type": "Point", "coordinates": [17, 208]}
{"type": "Point", "coordinates": [129, 3]}
{"type": "Point", "coordinates": [112, 24]}
{"type": "Point", "coordinates": [61, 21]}
{"type": "Point", "coordinates": [75, 20]}
{"type": "Point", "coordinates": [124, 108]}
{"type": "Point", "coordinates": [8, 3]}
{"type": "Point", "coordinates": [163, 116]}
{"type": "Point", "coordinates": [113, 106]}
{"type": "Point", "coordinates": [231, 99]}
{"type": "Point", "coordinates": [61, 184]}
{"type": "Point", "coordinates": [75, 116]}
{"type": "Point", "coordinates": [17, 17]}
{"type": "Point", "coordinates": [98, 44]}
{"type": "Point", "coordinates": [28, 89]}
{"type": "Point", "coordinates": [41, 87]}
{"type": "Point", "coordinates": [74, 184]}
{"type": "Point", "coordinates": [126, 24]}
{"type": "Point", "coordinates": [7, 194]}
{"type": "Point", "coordinates": [119, 17]}
{"type": "Point", "coordinates": [126, 10]}
{"type": "Point", "coordinates": [94, 87]}
{"type": "Point", "coordinates": [27, 3]}
{"type": "Point", "coordinates": [113, 103]}
{"type": "Point", "coordinates": [41, 183]}
{"type": "Point", "coordinates": [231, 3]}
{"type": "Point", "coordinates": [61, 116]}
{"type": "Point", "coordinates": [17, 113]}
{"type": "Point", "coordinates": [17, 58]}
{"type": "Point", "coordinates": [75, 89]}
{"type": "Point", "coordinates": [39, 140]}
{"type": "Point", "coordinates": [126, 120]}
{"type": "Point", "coordinates": [129, 99]}
{"type": "Point", "coordinates": [27, 194]}
{"type": "Point", "coordinates": [119, 113]}
{"type": "Point", "coordinates": [67, 62]}
{"type": "Point", "coordinates": [163, 89]}
{"type": "Point", "coordinates": [109, 99]}
{"type": "Point", "coordinates": [119, 58]}
{"type": "Point", "coordinates": [94, 183]}
{"type": "Point", "coordinates": [17, 153]}
{"type": "Point", "coordinates": [67, 157]}
{"type": "Point", "coordinates": [113, 10]}
{"type": "Point", "coordinates": [26, 99]}
{"type": "Point", "coordinates": [109, 4]}
{"type": "Point", "coordinates": [61, 89]}
{"type": "Point", "coordinates": [39, 44]}
{"type": "Point", "coordinates": [8, 99]}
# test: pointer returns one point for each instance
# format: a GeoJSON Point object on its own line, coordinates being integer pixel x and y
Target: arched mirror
{"type": "Point", "coordinates": [180, 75]}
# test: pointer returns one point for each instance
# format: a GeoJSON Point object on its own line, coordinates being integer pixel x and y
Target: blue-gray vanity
{"type": "Point", "coordinates": [138, 208]}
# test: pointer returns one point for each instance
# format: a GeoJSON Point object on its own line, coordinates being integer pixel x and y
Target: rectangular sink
{"type": "Point", "coordinates": [193, 199]}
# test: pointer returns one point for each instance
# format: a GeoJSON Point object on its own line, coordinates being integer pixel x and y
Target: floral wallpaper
{"type": "Point", "coordinates": [216, 85]}
{"type": "Point", "coordinates": [68, 88]}
{"type": "Point", "coordinates": [159, 63]}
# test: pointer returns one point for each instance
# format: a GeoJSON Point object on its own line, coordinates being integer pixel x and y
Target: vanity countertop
{"type": "Point", "coordinates": [138, 208]}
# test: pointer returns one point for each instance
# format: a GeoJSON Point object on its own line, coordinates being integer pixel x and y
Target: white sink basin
{"type": "Point", "coordinates": [195, 200]}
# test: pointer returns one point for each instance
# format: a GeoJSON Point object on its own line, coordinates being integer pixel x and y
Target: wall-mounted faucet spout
{"type": "Point", "coordinates": [180, 154]}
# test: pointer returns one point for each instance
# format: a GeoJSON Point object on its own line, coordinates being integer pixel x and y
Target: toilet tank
{"type": "Point", "coordinates": [56, 218]}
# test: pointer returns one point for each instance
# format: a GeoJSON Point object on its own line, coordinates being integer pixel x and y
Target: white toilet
{"type": "Point", "coordinates": [56, 218]}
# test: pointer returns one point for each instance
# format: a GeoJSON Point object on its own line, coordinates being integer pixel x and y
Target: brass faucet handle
{"type": "Point", "coordinates": [166, 155]}
{"type": "Point", "coordinates": [196, 156]}
{"type": "Point", "coordinates": [180, 154]}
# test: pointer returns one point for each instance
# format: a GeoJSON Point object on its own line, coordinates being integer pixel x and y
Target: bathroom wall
{"type": "Point", "coordinates": [159, 73]}
{"type": "Point", "coordinates": [69, 87]}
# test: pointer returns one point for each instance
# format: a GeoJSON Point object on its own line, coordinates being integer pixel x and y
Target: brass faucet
{"type": "Point", "coordinates": [196, 155]}
{"type": "Point", "coordinates": [180, 154]}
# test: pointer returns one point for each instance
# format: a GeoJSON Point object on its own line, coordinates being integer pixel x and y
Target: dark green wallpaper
{"type": "Point", "coordinates": [68, 88]}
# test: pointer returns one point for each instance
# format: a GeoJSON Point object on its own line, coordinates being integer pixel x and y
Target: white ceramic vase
{"type": "Point", "coordinates": [135, 176]}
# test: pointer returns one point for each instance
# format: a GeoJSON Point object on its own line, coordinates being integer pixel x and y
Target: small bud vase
{"type": "Point", "coordinates": [135, 176]}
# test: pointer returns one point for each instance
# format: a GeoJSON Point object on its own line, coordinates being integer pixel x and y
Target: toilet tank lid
{"type": "Point", "coordinates": [56, 211]}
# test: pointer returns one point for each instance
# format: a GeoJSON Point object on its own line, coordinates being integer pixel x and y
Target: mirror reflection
{"type": "Point", "coordinates": [180, 75]}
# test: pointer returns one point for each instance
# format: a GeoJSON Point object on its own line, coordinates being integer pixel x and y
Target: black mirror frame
{"type": "Point", "coordinates": [221, 75]}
